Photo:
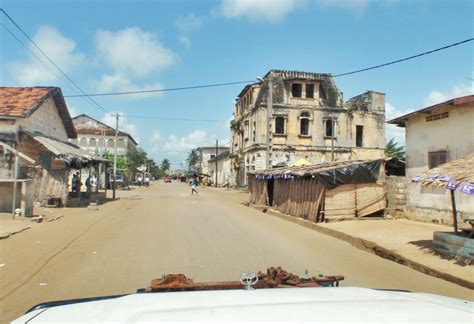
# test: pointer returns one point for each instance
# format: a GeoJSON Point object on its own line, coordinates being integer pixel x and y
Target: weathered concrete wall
{"type": "Point", "coordinates": [396, 196]}
{"type": "Point", "coordinates": [433, 204]}
{"type": "Point", "coordinates": [453, 134]}
{"type": "Point", "coordinates": [223, 171]}
{"type": "Point", "coordinates": [45, 120]}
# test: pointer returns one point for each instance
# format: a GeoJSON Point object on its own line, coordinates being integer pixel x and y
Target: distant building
{"type": "Point", "coordinates": [99, 138]}
{"type": "Point", "coordinates": [309, 120]}
{"type": "Point", "coordinates": [205, 154]}
{"type": "Point", "coordinates": [223, 164]}
{"type": "Point", "coordinates": [434, 136]}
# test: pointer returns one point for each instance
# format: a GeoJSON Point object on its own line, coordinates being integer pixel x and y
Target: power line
{"type": "Point", "coordinates": [161, 90]}
{"type": "Point", "coordinates": [406, 58]}
{"type": "Point", "coordinates": [240, 82]}
{"type": "Point", "coordinates": [177, 119]}
{"type": "Point", "coordinates": [52, 62]}
{"type": "Point", "coordinates": [36, 56]}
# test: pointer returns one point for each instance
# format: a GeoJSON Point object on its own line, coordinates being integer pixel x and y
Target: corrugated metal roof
{"type": "Point", "coordinates": [60, 149]}
{"type": "Point", "coordinates": [400, 121]}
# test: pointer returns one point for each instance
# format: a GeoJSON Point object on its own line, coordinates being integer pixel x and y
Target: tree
{"type": "Point", "coordinates": [192, 160]}
{"type": "Point", "coordinates": [165, 165]}
{"type": "Point", "coordinates": [122, 162]}
{"type": "Point", "coordinates": [136, 159]}
{"type": "Point", "coordinates": [394, 150]}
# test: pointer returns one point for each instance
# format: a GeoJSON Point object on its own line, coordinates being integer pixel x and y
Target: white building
{"type": "Point", "coordinates": [205, 154]}
{"type": "Point", "coordinates": [436, 135]}
{"type": "Point", "coordinates": [99, 138]}
{"type": "Point", "coordinates": [223, 163]}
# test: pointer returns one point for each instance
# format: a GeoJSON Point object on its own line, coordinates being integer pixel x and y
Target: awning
{"type": "Point", "coordinates": [68, 152]}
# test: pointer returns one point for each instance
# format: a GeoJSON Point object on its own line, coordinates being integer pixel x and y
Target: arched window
{"type": "Point", "coordinates": [305, 120]}
{"type": "Point", "coordinates": [101, 142]}
{"type": "Point", "coordinates": [110, 143]}
{"type": "Point", "coordinates": [83, 142]}
{"type": "Point", "coordinates": [92, 142]}
{"type": "Point", "coordinates": [120, 143]}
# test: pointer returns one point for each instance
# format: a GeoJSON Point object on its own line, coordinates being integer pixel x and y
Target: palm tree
{"type": "Point", "coordinates": [192, 160]}
{"type": "Point", "coordinates": [165, 165]}
{"type": "Point", "coordinates": [393, 150]}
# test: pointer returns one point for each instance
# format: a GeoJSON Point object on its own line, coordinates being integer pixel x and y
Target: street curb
{"type": "Point", "coordinates": [6, 235]}
{"type": "Point", "coordinates": [369, 246]}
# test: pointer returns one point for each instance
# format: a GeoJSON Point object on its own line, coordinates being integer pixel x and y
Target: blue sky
{"type": "Point", "coordinates": [132, 45]}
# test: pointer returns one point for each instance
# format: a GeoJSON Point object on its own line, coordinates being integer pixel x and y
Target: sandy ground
{"type": "Point", "coordinates": [163, 229]}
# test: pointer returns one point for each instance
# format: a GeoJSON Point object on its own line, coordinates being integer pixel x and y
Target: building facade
{"type": "Point", "coordinates": [435, 135]}
{"type": "Point", "coordinates": [205, 154]}
{"type": "Point", "coordinates": [34, 121]}
{"type": "Point", "coordinates": [99, 138]}
{"type": "Point", "coordinates": [222, 162]}
{"type": "Point", "coordinates": [309, 119]}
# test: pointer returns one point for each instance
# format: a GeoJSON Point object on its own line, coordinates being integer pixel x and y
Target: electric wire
{"type": "Point", "coordinates": [52, 62]}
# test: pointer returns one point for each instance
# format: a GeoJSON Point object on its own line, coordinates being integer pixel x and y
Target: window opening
{"type": "Point", "coordinates": [304, 124]}
{"type": "Point", "coordinates": [280, 126]}
{"type": "Point", "coordinates": [359, 135]}
{"type": "Point", "coordinates": [296, 90]}
{"type": "Point", "coordinates": [310, 90]}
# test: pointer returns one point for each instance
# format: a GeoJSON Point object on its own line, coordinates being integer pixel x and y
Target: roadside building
{"type": "Point", "coordinates": [36, 122]}
{"type": "Point", "coordinates": [309, 120]}
{"type": "Point", "coordinates": [322, 192]}
{"type": "Point", "coordinates": [222, 162]}
{"type": "Point", "coordinates": [434, 136]}
{"type": "Point", "coordinates": [99, 138]}
{"type": "Point", "coordinates": [205, 154]}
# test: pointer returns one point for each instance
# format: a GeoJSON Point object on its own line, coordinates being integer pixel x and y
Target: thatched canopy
{"type": "Point", "coordinates": [456, 171]}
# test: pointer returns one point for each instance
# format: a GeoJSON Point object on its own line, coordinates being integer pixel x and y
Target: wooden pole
{"type": "Point", "coordinates": [455, 218]}
{"type": "Point", "coordinates": [15, 183]}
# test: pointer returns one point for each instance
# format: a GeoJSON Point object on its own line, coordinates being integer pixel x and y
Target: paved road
{"type": "Point", "coordinates": [210, 236]}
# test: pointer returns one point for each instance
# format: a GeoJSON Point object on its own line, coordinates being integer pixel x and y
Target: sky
{"type": "Point", "coordinates": [110, 46]}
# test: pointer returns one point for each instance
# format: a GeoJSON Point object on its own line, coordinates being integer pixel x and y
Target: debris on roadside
{"type": "Point", "coordinates": [37, 219]}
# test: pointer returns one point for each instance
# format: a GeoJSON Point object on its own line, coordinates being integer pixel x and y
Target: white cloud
{"type": "Point", "coordinates": [124, 124]}
{"type": "Point", "coordinates": [60, 49]}
{"type": "Point", "coordinates": [192, 140]}
{"type": "Point", "coordinates": [435, 97]}
{"type": "Point", "coordinates": [155, 136]}
{"type": "Point", "coordinates": [133, 51]}
{"type": "Point", "coordinates": [188, 22]}
{"type": "Point", "coordinates": [118, 82]}
{"type": "Point", "coordinates": [185, 41]}
{"type": "Point", "coordinates": [264, 11]}
{"type": "Point", "coordinates": [393, 131]}
{"type": "Point", "coordinates": [73, 110]}
{"type": "Point", "coordinates": [352, 5]}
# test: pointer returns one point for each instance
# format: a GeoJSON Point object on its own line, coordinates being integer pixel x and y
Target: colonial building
{"type": "Point", "coordinates": [205, 154]}
{"type": "Point", "coordinates": [99, 138]}
{"type": "Point", "coordinates": [309, 120]}
{"type": "Point", "coordinates": [434, 136]}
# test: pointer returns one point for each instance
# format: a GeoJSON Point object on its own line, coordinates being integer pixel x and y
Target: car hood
{"type": "Point", "coordinates": [325, 305]}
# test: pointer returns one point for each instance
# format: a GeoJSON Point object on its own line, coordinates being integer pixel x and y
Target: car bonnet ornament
{"type": "Point", "coordinates": [248, 280]}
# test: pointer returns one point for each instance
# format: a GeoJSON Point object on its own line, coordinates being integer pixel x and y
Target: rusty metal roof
{"type": "Point", "coordinates": [400, 121]}
{"type": "Point", "coordinates": [21, 102]}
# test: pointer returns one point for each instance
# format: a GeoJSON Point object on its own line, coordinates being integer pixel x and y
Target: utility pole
{"type": "Point", "coordinates": [115, 155]}
{"type": "Point", "coordinates": [217, 153]}
{"type": "Point", "coordinates": [332, 139]}
{"type": "Point", "coordinates": [269, 121]}
{"type": "Point", "coordinates": [15, 184]}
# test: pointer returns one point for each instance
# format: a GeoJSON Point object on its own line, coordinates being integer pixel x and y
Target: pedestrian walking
{"type": "Point", "coordinates": [88, 186]}
{"type": "Point", "coordinates": [194, 184]}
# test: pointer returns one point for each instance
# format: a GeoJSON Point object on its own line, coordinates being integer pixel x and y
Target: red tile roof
{"type": "Point", "coordinates": [19, 102]}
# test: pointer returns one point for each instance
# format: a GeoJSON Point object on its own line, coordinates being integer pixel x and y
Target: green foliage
{"type": "Point", "coordinates": [393, 150]}
{"type": "Point", "coordinates": [122, 162]}
{"type": "Point", "coordinates": [165, 165]}
{"type": "Point", "coordinates": [192, 160]}
{"type": "Point", "coordinates": [136, 159]}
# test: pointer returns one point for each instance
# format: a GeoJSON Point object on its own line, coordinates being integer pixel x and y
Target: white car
{"type": "Point", "coordinates": [324, 305]}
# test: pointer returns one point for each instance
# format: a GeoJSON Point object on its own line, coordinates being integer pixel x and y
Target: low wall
{"type": "Point", "coordinates": [433, 204]}
{"type": "Point", "coordinates": [453, 244]}
{"type": "Point", "coordinates": [395, 187]}
{"type": "Point", "coordinates": [24, 197]}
